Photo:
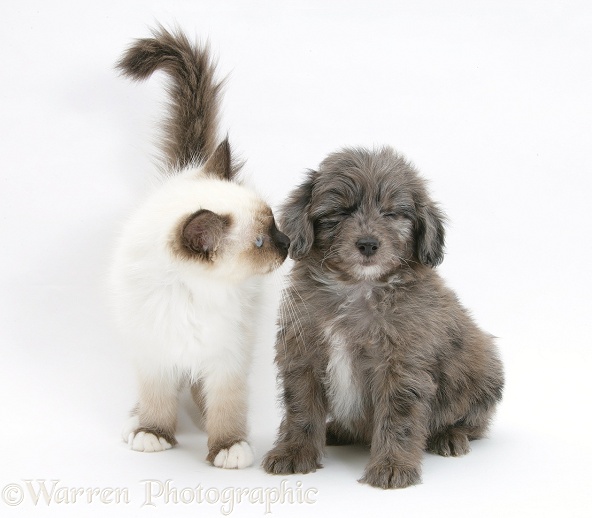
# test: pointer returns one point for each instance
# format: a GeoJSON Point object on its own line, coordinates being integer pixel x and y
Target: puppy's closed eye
{"type": "Point", "coordinates": [327, 224]}
{"type": "Point", "coordinates": [399, 213]}
{"type": "Point", "coordinates": [395, 215]}
{"type": "Point", "coordinates": [331, 220]}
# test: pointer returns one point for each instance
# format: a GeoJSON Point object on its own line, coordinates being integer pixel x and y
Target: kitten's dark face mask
{"type": "Point", "coordinates": [270, 246]}
{"type": "Point", "coordinates": [232, 245]}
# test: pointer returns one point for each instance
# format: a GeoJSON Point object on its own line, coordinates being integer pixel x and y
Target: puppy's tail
{"type": "Point", "coordinates": [192, 125]}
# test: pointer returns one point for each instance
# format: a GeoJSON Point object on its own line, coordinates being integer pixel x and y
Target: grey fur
{"type": "Point", "coordinates": [190, 131]}
{"type": "Point", "coordinates": [372, 347]}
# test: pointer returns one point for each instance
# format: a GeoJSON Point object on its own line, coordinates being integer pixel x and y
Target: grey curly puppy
{"type": "Point", "coordinates": [372, 346]}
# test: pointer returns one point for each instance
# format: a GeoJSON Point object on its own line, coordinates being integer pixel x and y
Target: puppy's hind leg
{"type": "Point", "coordinates": [152, 424]}
{"type": "Point", "coordinates": [453, 440]}
{"type": "Point", "coordinates": [337, 435]}
{"type": "Point", "coordinates": [467, 395]}
{"type": "Point", "coordinates": [340, 435]}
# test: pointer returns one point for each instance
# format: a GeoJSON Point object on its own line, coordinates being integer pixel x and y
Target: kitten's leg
{"type": "Point", "coordinates": [199, 398]}
{"type": "Point", "coordinates": [299, 447]}
{"type": "Point", "coordinates": [152, 424]}
{"type": "Point", "coordinates": [225, 397]}
{"type": "Point", "coordinates": [400, 399]}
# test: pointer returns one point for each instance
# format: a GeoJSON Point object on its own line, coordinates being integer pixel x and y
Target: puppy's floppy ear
{"type": "Point", "coordinates": [429, 234]}
{"type": "Point", "coordinates": [295, 219]}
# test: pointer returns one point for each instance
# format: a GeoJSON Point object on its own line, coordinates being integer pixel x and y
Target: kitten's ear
{"type": "Point", "coordinates": [220, 162]}
{"type": "Point", "coordinates": [203, 232]}
{"type": "Point", "coordinates": [295, 220]}
{"type": "Point", "coordinates": [429, 234]}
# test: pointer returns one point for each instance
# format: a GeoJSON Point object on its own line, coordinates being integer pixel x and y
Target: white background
{"type": "Point", "coordinates": [490, 100]}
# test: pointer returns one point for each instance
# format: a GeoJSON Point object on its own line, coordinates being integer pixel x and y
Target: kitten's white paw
{"type": "Point", "coordinates": [142, 441]}
{"type": "Point", "coordinates": [238, 456]}
{"type": "Point", "coordinates": [132, 424]}
{"type": "Point", "coordinates": [147, 442]}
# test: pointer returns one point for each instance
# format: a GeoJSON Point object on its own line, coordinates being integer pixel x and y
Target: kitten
{"type": "Point", "coordinates": [186, 270]}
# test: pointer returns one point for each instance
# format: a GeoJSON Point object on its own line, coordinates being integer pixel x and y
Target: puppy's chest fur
{"type": "Point", "coordinates": [351, 337]}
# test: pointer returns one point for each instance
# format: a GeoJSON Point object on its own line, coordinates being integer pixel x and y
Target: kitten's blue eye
{"type": "Point", "coordinates": [259, 242]}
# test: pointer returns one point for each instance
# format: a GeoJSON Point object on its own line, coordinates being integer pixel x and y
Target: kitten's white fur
{"type": "Point", "coordinates": [239, 455]}
{"type": "Point", "coordinates": [181, 315]}
{"type": "Point", "coordinates": [183, 319]}
{"type": "Point", "coordinates": [185, 274]}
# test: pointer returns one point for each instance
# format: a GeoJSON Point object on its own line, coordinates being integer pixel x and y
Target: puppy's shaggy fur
{"type": "Point", "coordinates": [370, 337]}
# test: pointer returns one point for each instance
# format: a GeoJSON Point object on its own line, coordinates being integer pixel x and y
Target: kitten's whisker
{"type": "Point", "coordinates": [294, 313]}
{"type": "Point", "coordinates": [289, 316]}
{"type": "Point", "coordinates": [329, 254]}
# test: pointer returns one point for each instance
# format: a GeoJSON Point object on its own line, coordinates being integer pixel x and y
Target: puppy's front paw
{"type": "Point", "coordinates": [387, 476]}
{"type": "Point", "coordinates": [237, 456]}
{"type": "Point", "coordinates": [450, 443]}
{"type": "Point", "coordinates": [285, 461]}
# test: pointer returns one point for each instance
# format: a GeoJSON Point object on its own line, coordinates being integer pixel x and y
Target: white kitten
{"type": "Point", "coordinates": [185, 272]}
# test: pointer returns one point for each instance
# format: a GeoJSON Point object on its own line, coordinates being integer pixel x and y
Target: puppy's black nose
{"type": "Point", "coordinates": [367, 246]}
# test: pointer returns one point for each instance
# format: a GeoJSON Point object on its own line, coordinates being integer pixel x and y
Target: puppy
{"type": "Point", "coordinates": [372, 346]}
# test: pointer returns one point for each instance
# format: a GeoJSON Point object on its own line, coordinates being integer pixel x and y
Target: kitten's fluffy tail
{"type": "Point", "coordinates": [192, 125]}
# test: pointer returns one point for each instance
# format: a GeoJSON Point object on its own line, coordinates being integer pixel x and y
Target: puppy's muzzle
{"type": "Point", "coordinates": [367, 246]}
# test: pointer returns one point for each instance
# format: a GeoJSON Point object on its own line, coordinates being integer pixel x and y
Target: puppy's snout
{"type": "Point", "coordinates": [367, 245]}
